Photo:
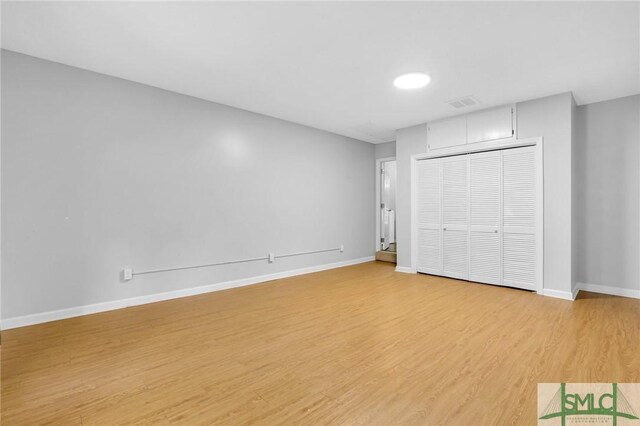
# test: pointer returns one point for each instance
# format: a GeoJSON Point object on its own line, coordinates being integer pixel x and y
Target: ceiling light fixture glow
{"type": "Point", "coordinates": [412, 80]}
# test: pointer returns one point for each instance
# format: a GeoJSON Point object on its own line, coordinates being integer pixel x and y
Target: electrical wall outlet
{"type": "Point", "coordinates": [127, 274]}
{"type": "Point", "coordinates": [272, 257]}
{"type": "Point", "coordinates": [341, 248]}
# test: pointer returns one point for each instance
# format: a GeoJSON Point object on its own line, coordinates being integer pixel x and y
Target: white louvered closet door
{"type": "Point", "coordinates": [455, 217]}
{"type": "Point", "coordinates": [429, 218]}
{"type": "Point", "coordinates": [485, 226]}
{"type": "Point", "coordinates": [519, 218]}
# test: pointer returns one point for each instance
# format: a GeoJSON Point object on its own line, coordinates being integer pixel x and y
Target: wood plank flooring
{"type": "Point", "coordinates": [356, 345]}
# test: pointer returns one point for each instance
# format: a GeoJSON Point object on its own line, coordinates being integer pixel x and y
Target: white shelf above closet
{"type": "Point", "coordinates": [477, 127]}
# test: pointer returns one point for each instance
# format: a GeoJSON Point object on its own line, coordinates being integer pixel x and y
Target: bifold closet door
{"type": "Point", "coordinates": [476, 217]}
{"type": "Point", "coordinates": [485, 225]}
{"type": "Point", "coordinates": [519, 218]}
{"type": "Point", "coordinates": [455, 217]}
{"type": "Point", "coordinates": [429, 217]}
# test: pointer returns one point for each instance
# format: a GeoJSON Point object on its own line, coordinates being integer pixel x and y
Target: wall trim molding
{"type": "Point", "coordinates": [405, 269]}
{"type": "Point", "coordinates": [558, 294]}
{"type": "Point", "coordinates": [575, 290]}
{"type": "Point", "coordinates": [614, 291]}
{"type": "Point", "coordinates": [26, 320]}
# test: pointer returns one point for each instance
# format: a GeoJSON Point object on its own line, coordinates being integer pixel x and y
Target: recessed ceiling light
{"type": "Point", "coordinates": [412, 80]}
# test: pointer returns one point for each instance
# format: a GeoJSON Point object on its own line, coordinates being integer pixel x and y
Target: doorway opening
{"type": "Point", "coordinates": [386, 211]}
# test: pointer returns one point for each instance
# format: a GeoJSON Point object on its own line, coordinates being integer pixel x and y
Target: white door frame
{"type": "Point", "coordinates": [379, 162]}
{"type": "Point", "coordinates": [503, 144]}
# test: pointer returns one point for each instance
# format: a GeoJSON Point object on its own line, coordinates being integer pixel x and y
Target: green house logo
{"type": "Point", "coordinates": [589, 401]}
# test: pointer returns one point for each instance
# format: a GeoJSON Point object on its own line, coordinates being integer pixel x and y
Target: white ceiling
{"type": "Point", "coordinates": [331, 65]}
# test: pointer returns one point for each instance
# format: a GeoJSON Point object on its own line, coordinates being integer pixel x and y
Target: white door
{"type": "Point", "coordinates": [455, 217]}
{"type": "Point", "coordinates": [429, 218]}
{"type": "Point", "coordinates": [519, 218]}
{"type": "Point", "coordinates": [388, 175]}
{"type": "Point", "coordinates": [477, 217]}
{"type": "Point", "coordinates": [485, 227]}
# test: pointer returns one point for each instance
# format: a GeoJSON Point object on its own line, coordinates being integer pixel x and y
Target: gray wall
{"type": "Point", "coordinates": [574, 195]}
{"type": "Point", "coordinates": [608, 188]}
{"type": "Point", "coordinates": [409, 141]}
{"type": "Point", "coordinates": [549, 117]}
{"type": "Point", "coordinates": [384, 150]}
{"type": "Point", "coordinates": [100, 173]}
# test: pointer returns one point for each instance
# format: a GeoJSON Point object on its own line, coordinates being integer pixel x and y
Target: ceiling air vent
{"type": "Point", "coordinates": [467, 101]}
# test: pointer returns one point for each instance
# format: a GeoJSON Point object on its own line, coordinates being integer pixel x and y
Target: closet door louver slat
{"type": "Point", "coordinates": [485, 234]}
{"type": "Point", "coordinates": [519, 194]}
{"type": "Point", "coordinates": [455, 217]}
{"type": "Point", "coordinates": [429, 217]}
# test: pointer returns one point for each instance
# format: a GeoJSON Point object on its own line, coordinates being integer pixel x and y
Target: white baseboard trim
{"type": "Point", "coordinates": [575, 291]}
{"type": "Point", "coordinates": [77, 311]}
{"type": "Point", "coordinates": [558, 294]}
{"type": "Point", "coordinates": [404, 270]}
{"type": "Point", "coordinates": [614, 291]}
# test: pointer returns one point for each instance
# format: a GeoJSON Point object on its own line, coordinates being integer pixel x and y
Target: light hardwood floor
{"type": "Point", "coordinates": [356, 345]}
